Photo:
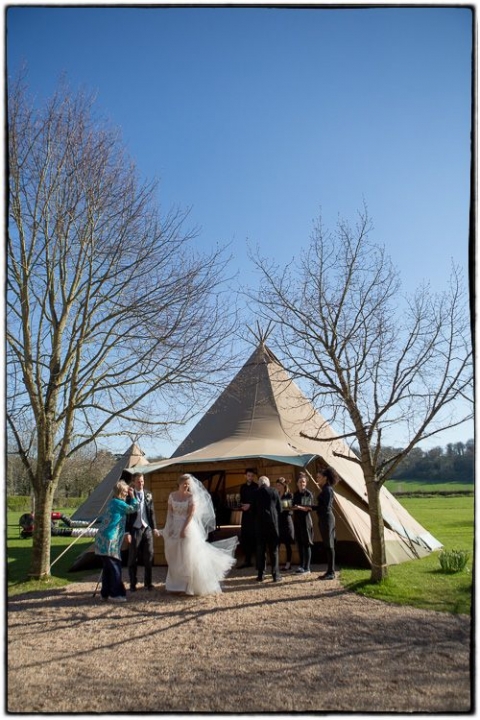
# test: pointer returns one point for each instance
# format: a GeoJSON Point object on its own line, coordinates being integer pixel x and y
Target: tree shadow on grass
{"type": "Point", "coordinates": [359, 585]}
{"type": "Point", "coordinates": [19, 563]}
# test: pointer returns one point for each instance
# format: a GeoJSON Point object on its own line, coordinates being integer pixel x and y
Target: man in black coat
{"type": "Point", "coordinates": [247, 535]}
{"type": "Point", "coordinates": [266, 509]}
{"type": "Point", "coordinates": [140, 529]}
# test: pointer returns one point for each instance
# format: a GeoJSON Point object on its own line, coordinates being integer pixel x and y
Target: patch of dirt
{"type": "Point", "coordinates": [301, 646]}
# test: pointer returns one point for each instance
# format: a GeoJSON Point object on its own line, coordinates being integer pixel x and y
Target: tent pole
{"type": "Point", "coordinates": [81, 534]}
{"type": "Point", "coordinates": [98, 583]}
{"type": "Point", "coordinates": [73, 542]}
{"type": "Point", "coordinates": [311, 478]}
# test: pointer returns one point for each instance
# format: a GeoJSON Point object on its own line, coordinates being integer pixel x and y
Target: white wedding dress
{"type": "Point", "coordinates": [195, 566]}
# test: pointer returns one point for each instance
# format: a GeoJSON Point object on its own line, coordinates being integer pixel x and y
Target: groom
{"type": "Point", "coordinates": [140, 529]}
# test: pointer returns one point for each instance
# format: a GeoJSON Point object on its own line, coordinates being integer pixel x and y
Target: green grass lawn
{"type": "Point", "coordinates": [421, 583]}
{"type": "Point", "coordinates": [19, 551]}
{"type": "Point", "coordinates": [427, 486]}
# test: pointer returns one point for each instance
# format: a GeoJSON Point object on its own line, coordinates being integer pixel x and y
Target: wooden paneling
{"type": "Point", "coordinates": [163, 482]}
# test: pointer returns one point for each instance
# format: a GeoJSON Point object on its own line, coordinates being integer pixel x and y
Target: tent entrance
{"type": "Point", "coordinates": [214, 482]}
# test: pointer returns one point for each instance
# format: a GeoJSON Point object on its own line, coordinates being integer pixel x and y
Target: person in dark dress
{"type": "Point", "coordinates": [247, 531]}
{"type": "Point", "coordinates": [266, 509]}
{"type": "Point", "coordinates": [287, 532]}
{"type": "Point", "coordinates": [302, 503]}
{"type": "Point", "coordinates": [327, 479]}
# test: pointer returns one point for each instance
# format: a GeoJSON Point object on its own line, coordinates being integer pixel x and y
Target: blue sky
{"type": "Point", "coordinates": [260, 118]}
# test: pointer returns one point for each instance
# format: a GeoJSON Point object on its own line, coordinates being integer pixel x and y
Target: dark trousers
{"type": "Point", "coordinates": [141, 547]}
{"type": "Point", "coordinates": [288, 548]}
{"type": "Point", "coordinates": [112, 585]}
{"type": "Point", "coordinates": [305, 553]}
{"type": "Point", "coordinates": [271, 544]}
{"type": "Point", "coordinates": [330, 552]}
{"type": "Point", "coordinates": [327, 530]}
{"type": "Point", "coordinates": [247, 536]}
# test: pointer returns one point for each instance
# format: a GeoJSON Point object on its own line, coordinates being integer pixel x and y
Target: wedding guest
{"type": "Point", "coordinates": [267, 509]}
{"type": "Point", "coordinates": [109, 538]}
{"type": "Point", "coordinates": [302, 503]}
{"type": "Point", "coordinates": [247, 530]}
{"type": "Point", "coordinates": [141, 528]}
{"type": "Point", "coordinates": [287, 532]}
{"type": "Point", "coordinates": [327, 479]}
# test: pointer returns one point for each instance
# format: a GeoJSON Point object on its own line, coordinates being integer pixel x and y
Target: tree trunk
{"type": "Point", "coordinates": [377, 532]}
{"type": "Point", "coordinates": [40, 567]}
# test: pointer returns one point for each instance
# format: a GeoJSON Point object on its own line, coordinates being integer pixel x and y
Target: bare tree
{"type": "Point", "coordinates": [83, 472]}
{"type": "Point", "coordinates": [373, 359]}
{"type": "Point", "coordinates": [113, 318]}
{"type": "Point", "coordinates": [17, 481]}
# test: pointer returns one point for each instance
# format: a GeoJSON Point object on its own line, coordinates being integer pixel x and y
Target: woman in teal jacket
{"type": "Point", "coordinates": [109, 538]}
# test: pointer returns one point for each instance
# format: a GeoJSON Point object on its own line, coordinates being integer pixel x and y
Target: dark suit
{"type": "Point", "coordinates": [326, 523]}
{"type": "Point", "coordinates": [266, 510]}
{"type": "Point", "coordinates": [142, 541]}
{"type": "Point", "coordinates": [247, 535]}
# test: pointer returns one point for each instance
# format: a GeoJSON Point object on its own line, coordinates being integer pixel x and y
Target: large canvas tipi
{"type": "Point", "coordinates": [263, 420]}
{"type": "Point", "coordinates": [96, 501]}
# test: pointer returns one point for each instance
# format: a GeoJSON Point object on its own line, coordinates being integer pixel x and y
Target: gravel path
{"type": "Point", "coordinates": [301, 645]}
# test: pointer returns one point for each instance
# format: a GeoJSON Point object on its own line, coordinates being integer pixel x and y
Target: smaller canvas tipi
{"type": "Point", "coordinates": [96, 501]}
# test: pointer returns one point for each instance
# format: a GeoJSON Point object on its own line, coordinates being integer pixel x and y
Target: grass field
{"type": "Point", "coordinates": [421, 583]}
{"type": "Point", "coordinates": [430, 486]}
{"type": "Point", "coordinates": [19, 558]}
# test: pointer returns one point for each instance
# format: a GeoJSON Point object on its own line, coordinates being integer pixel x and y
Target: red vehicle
{"type": "Point", "coordinates": [26, 523]}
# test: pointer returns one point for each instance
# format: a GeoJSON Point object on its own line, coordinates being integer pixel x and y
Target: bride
{"type": "Point", "coordinates": [195, 566]}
